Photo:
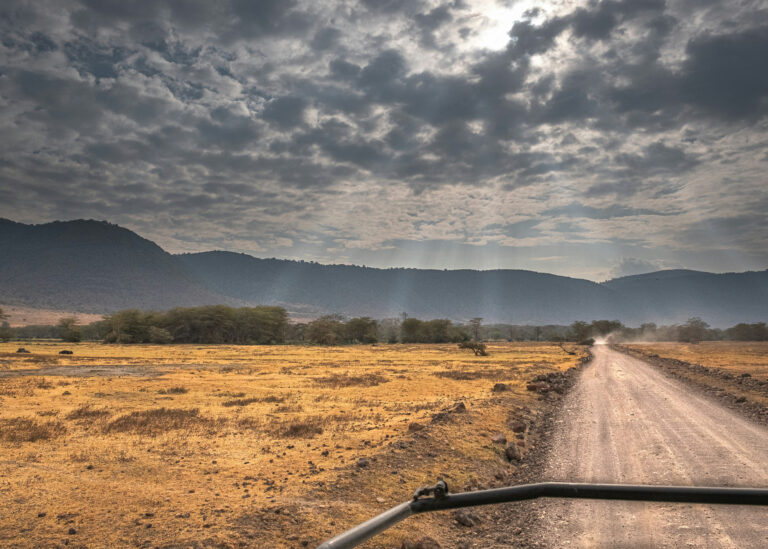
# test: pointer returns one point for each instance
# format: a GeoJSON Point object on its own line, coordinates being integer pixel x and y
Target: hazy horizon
{"type": "Point", "coordinates": [639, 271]}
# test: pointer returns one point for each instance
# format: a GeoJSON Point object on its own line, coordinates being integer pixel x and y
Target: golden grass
{"type": "Point", "coordinates": [187, 445]}
{"type": "Point", "coordinates": [20, 429]}
{"type": "Point", "coordinates": [736, 357]}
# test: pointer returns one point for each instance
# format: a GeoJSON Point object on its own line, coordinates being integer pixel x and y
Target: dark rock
{"type": "Point", "coordinates": [501, 475]}
{"type": "Point", "coordinates": [66, 352]}
{"type": "Point", "coordinates": [363, 462]}
{"type": "Point", "coordinates": [741, 399]}
{"type": "Point", "coordinates": [445, 415]}
{"type": "Point", "coordinates": [500, 387]}
{"type": "Point", "coordinates": [466, 518]}
{"type": "Point", "coordinates": [513, 453]}
{"type": "Point", "coordinates": [415, 426]}
{"type": "Point", "coordinates": [441, 416]}
{"type": "Point", "coordinates": [517, 426]}
{"type": "Point", "coordinates": [41, 515]}
{"type": "Point", "coordinates": [538, 386]}
{"type": "Point", "coordinates": [458, 408]}
{"type": "Point", "coordinates": [21, 350]}
{"type": "Point", "coordinates": [71, 531]}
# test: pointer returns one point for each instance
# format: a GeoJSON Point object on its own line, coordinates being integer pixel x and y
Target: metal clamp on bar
{"type": "Point", "coordinates": [439, 490]}
{"type": "Point", "coordinates": [441, 501]}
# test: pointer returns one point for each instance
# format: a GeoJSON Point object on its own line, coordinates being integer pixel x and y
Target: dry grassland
{"type": "Point", "coordinates": [735, 357]}
{"type": "Point", "coordinates": [200, 446]}
{"type": "Point", "coordinates": [735, 371]}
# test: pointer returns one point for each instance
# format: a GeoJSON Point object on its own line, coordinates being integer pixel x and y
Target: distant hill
{"type": "Point", "coordinates": [720, 299]}
{"type": "Point", "coordinates": [93, 266]}
{"type": "Point", "coordinates": [310, 288]}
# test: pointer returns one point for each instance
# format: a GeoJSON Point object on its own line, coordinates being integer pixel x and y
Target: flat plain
{"type": "Point", "coordinates": [226, 446]}
{"type": "Point", "coordinates": [735, 357]}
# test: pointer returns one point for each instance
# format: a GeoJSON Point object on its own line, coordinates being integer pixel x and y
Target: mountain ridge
{"type": "Point", "coordinates": [96, 266]}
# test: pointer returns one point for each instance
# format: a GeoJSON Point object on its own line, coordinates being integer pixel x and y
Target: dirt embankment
{"type": "Point", "coordinates": [740, 392]}
{"type": "Point", "coordinates": [514, 524]}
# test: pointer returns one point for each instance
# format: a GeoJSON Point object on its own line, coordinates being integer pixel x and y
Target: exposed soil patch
{"type": "Point", "coordinates": [86, 371]}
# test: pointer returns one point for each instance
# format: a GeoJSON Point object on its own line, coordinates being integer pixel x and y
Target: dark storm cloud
{"type": "Point", "coordinates": [723, 76]}
{"type": "Point", "coordinates": [657, 158]}
{"type": "Point", "coordinates": [285, 112]}
{"type": "Point", "coordinates": [207, 108]}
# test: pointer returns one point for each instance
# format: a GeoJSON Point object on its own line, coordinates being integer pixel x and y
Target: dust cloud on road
{"type": "Point", "coordinates": [625, 422]}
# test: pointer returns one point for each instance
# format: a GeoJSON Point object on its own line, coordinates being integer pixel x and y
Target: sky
{"type": "Point", "coordinates": [588, 139]}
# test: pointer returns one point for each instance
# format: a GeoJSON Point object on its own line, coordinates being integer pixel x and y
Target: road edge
{"type": "Point", "coordinates": [731, 391]}
{"type": "Point", "coordinates": [516, 524]}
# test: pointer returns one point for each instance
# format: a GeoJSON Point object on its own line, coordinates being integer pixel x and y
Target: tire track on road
{"type": "Point", "coordinates": [625, 422]}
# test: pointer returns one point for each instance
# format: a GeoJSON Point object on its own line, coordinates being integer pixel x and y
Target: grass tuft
{"type": "Point", "coordinates": [85, 412]}
{"type": "Point", "coordinates": [251, 400]}
{"type": "Point", "coordinates": [173, 391]}
{"type": "Point", "coordinates": [19, 429]}
{"type": "Point", "coordinates": [156, 421]}
{"type": "Point", "coordinates": [305, 428]}
{"type": "Point", "coordinates": [346, 380]}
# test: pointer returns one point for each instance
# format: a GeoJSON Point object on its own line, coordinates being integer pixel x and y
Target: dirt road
{"type": "Point", "coordinates": [625, 422]}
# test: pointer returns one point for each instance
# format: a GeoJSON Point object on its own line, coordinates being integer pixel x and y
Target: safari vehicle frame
{"type": "Point", "coordinates": [437, 498]}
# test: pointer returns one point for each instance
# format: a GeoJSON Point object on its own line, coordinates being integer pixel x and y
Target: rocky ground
{"type": "Point", "coordinates": [526, 524]}
{"type": "Point", "coordinates": [513, 524]}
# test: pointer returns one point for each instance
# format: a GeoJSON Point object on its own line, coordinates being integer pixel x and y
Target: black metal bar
{"type": "Point", "coordinates": [678, 494]}
{"type": "Point", "coordinates": [357, 535]}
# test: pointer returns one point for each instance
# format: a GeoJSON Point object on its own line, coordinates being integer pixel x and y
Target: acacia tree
{"type": "Point", "coordinates": [326, 330]}
{"type": "Point", "coordinates": [361, 330]}
{"type": "Point", "coordinates": [580, 331]}
{"type": "Point", "coordinates": [475, 324]}
{"type": "Point", "coordinates": [68, 329]}
{"type": "Point", "coordinates": [475, 346]}
{"type": "Point", "coordinates": [5, 329]}
{"type": "Point", "coordinates": [694, 330]}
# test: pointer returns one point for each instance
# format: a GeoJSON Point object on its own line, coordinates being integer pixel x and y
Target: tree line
{"type": "Point", "coordinates": [271, 325]}
{"type": "Point", "coordinates": [693, 330]}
